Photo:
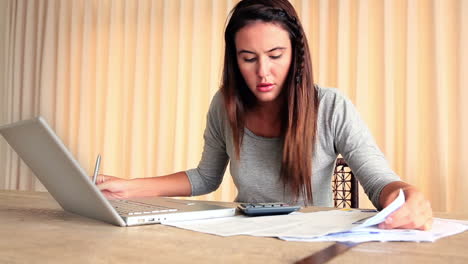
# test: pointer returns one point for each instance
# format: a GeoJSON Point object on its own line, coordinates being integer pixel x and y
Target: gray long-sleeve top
{"type": "Point", "coordinates": [256, 175]}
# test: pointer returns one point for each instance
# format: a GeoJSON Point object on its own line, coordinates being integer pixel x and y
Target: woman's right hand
{"type": "Point", "coordinates": [113, 187]}
{"type": "Point", "coordinates": [176, 184]}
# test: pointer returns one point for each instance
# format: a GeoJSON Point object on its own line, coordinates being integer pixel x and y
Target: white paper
{"type": "Point", "coordinates": [382, 215]}
{"type": "Point", "coordinates": [298, 224]}
{"type": "Point", "coordinates": [440, 228]}
{"type": "Point", "coordinates": [347, 225]}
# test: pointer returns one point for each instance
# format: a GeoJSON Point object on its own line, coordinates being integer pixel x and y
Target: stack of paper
{"type": "Point", "coordinates": [335, 225]}
{"type": "Point", "coordinates": [440, 228]}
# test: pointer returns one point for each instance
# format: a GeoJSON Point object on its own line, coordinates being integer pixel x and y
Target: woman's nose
{"type": "Point", "coordinates": [263, 68]}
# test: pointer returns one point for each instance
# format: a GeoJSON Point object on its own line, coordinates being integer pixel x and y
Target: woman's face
{"type": "Point", "coordinates": [264, 56]}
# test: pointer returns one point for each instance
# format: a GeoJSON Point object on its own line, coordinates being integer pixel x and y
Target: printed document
{"type": "Point", "coordinates": [335, 225]}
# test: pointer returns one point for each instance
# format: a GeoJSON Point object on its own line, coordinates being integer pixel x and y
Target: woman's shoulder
{"type": "Point", "coordinates": [329, 93]}
{"type": "Point", "coordinates": [330, 96]}
{"type": "Point", "coordinates": [217, 102]}
{"type": "Point", "coordinates": [217, 109]}
{"type": "Point", "coordinates": [334, 105]}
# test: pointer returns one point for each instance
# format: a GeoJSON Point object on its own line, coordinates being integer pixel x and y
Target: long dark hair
{"type": "Point", "coordinates": [299, 111]}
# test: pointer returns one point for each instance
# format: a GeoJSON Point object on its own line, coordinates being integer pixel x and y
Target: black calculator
{"type": "Point", "coordinates": [259, 209]}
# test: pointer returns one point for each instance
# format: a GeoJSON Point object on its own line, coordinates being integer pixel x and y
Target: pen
{"type": "Point", "coordinates": [96, 168]}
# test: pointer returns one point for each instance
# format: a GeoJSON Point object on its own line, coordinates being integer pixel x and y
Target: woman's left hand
{"type": "Point", "coordinates": [415, 213]}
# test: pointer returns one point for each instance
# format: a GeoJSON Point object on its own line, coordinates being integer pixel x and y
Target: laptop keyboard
{"type": "Point", "coordinates": [138, 208]}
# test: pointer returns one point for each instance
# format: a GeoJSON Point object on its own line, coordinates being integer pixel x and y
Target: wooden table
{"type": "Point", "coordinates": [34, 229]}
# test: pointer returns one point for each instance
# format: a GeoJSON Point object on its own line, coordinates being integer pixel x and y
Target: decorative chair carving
{"type": "Point", "coordinates": [345, 186]}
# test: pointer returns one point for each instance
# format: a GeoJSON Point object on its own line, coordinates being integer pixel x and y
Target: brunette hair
{"type": "Point", "coordinates": [299, 110]}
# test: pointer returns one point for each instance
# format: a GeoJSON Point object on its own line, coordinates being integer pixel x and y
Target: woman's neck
{"type": "Point", "coordinates": [265, 119]}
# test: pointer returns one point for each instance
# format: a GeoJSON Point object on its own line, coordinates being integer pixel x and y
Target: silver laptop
{"type": "Point", "coordinates": [45, 154]}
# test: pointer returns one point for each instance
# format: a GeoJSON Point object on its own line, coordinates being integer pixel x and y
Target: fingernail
{"type": "Point", "coordinates": [389, 220]}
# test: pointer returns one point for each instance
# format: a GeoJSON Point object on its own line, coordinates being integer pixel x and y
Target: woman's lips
{"type": "Point", "coordinates": [265, 87]}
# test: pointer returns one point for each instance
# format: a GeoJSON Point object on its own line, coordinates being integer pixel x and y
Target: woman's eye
{"type": "Point", "coordinates": [250, 59]}
{"type": "Point", "coordinates": [276, 57]}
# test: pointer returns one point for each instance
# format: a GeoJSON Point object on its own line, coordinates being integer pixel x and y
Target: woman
{"type": "Point", "coordinates": [280, 132]}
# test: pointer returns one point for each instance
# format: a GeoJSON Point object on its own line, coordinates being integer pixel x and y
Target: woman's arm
{"type": "Point", "coordinates": [416, 212]}
{"type": "Point", "coordinates": [355, 142]}
{"type": "Point", "coordinates": [176, 184]}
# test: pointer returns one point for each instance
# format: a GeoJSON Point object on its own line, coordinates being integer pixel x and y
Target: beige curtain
{"type": "Point", "coordinates": [132, 80]}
